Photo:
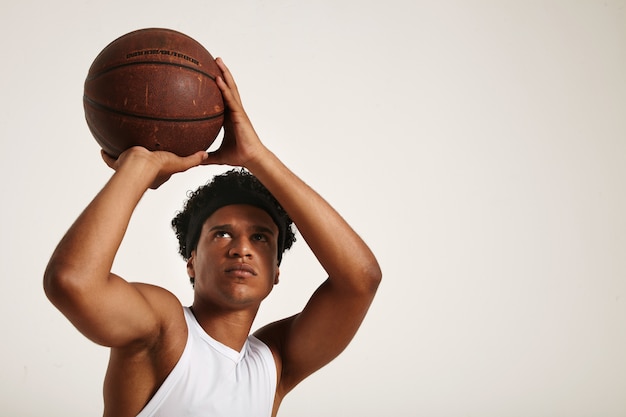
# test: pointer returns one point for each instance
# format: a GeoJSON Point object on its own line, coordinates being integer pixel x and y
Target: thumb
{"type": "Point", "coordinates": [213, 158]}
{"type": "Point", "coordinates": [198, 158]}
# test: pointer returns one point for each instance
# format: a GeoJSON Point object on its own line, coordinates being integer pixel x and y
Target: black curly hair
{"type": "Point", "coordinates": [237, 186]}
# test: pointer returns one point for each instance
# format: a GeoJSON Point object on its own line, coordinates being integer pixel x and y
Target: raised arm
{"type": "Point", "coordinates": [78, 281]}
{"type": "Point", "coordinates": [335, 311]}
{"type": "Point", "coordinates": [311, 339]}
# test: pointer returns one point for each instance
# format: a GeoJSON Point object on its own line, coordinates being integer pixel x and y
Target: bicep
{"type": "Point", "coordinates": [317, 335]}
{"type": "Point", "coordinates": [114, 313]}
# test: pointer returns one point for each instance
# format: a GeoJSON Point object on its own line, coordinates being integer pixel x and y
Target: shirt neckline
{"type": "Point", "coordinates": [226, 351]}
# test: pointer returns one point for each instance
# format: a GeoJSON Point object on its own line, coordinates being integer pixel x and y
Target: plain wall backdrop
{"type": "Point", "coordinates": [479, 147]}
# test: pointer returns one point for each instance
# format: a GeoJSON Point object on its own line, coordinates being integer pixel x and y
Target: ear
{"type": "Point", "coordinates": [277, 274]}
{"type": "Point", "coordinates": [190, 268]}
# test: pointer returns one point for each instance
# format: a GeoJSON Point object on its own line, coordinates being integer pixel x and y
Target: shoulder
{"type": "Point", "coordinates": [167, 309]}
{"type": "Point", "coordinates": [156, 294]}
{"type": "Point", "coordinates": [166, 306]}
{"type": "Point", "coordinates": [274, 336]}
{"type": "Point", "coordinates": [137, 370]}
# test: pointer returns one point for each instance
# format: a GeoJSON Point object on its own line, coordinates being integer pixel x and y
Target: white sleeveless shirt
{"type": "Point", "coordinates": [211, 379]}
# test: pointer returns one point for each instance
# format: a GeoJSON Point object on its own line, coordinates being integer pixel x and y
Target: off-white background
{"type": "Point", "coordinates": [479, 147]}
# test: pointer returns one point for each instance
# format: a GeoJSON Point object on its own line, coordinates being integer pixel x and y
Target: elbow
{"type": "Point", "coordinates": [53, 283]}
{"type": "Point", "coordinates": [361, 281]}
{"type": "Point", "coordinates": [370, 277]}
{"type": "Point", "coordinates": [373, 276]}
{"type": "Point", "coordinates": [58, 283]}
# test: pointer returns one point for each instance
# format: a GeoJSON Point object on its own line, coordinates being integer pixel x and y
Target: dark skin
{"type": "Point", "coordinates": [234, 265]}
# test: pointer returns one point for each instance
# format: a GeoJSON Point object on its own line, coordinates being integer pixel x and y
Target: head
{"type": "Point", "coordinates": [236, 186]}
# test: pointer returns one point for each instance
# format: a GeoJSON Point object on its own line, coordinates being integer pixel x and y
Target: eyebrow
{"type": "Point", "coordinates": [257, 228]}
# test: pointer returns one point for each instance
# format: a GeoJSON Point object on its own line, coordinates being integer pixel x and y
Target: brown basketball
{"type": "Point", "coordinates": [154, 88]}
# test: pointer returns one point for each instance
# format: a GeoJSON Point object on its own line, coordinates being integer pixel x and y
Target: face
{"type": "Point", "coordinates": [235, 262]}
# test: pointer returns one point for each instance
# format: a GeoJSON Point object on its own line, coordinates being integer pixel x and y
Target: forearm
{"type": "Point", "coordinates": [339, 249]}
{"type": "Point", "coordinates": [333, 314]}
{"type": "Point", "coordinates": [343, 254]}
{"type": "Point", "coordinates": [87, 250]}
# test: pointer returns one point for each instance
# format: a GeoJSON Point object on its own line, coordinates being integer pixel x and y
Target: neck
{"type": "Point", "coordinates": [229, 327]}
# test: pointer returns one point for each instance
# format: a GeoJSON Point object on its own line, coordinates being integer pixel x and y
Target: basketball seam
{"type": "Point", "coordinates": [128, 64]}
{"type": "Point", "coordinates": [138, 116]}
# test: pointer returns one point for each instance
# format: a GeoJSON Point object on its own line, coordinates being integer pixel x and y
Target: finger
{"type": "Point", "coordinates": [200, 156]}
{"type": "Point", "coordinates": [194, 159]}
{"type": "Point", "coordinates": [228, 76]}
{"type": "Point", "coordinates": [232, 100]}
{"type": "Point", "coordinates": [214, 158]}
{"type": "Point", "coordinates": [228, 79]}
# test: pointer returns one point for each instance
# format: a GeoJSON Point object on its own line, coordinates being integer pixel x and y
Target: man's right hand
{"type": "Point", "coordinates": [160, 165]}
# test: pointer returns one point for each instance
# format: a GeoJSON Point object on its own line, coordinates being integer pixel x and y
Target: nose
{"type": "Point", "coordinates": [240, 248]}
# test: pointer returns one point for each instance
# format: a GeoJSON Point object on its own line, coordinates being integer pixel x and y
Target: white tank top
{"type": "Point", "coordinates": [211, 379]}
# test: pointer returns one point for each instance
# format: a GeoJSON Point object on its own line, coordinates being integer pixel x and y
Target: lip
{"type": "Point", "coordinates": [241, 268]}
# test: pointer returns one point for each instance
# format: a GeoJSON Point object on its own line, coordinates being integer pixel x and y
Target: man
{"type": "Point", "coordinates": [169, 360]}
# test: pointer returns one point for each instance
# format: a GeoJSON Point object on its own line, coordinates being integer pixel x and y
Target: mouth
{"type": "Point", "coordinates": [241, 269]}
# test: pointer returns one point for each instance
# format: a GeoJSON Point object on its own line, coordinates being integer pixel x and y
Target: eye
{"type": "Point", "coordinates": [259, 237]}
{"type": "Point", "coordinates": [222, 234]}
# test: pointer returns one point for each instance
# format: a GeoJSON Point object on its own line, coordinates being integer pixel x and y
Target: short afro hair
{"type": "Point", "coordinates": [237, 186]}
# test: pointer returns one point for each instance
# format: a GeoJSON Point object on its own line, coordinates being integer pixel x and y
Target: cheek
{"type": "Point", "coordinates": [200, 260]}
{"type": "Point", "coordinates": [273, 272]}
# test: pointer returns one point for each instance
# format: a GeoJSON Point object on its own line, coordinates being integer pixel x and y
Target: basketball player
{"type": "Point", "coordinates": [171, 360]}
